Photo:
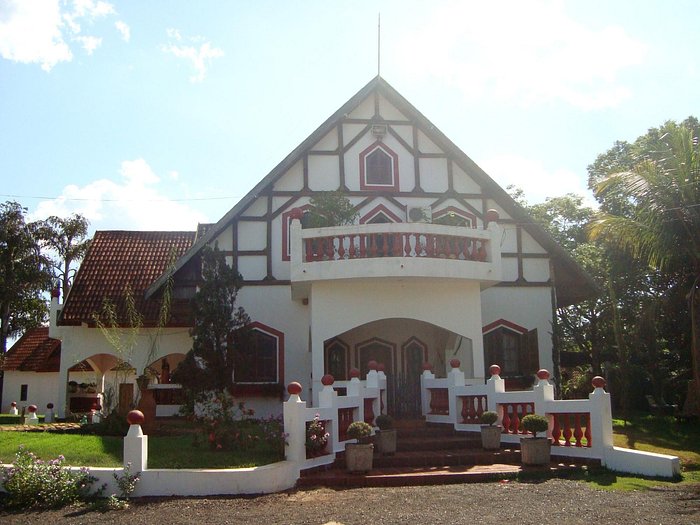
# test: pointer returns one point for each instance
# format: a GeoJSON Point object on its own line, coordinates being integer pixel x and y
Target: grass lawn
{"type": "Point", "coordinates": [106, 451]}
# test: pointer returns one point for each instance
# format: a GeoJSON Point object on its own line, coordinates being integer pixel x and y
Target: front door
{"type": "Point", "coordinates": [126, 398]}
{"type": "Point", "coordinates": [408, 384]}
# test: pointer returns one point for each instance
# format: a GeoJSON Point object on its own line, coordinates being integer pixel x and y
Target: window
{"type": "Point", "coordinates": [378, 215]}
{"type": "Point", "coordinates": [23, 392]}
{"type": "Point", "coordinates": [336, 360]}
{"type": "Point", "coordinates": [379, 168]}
{"type": "Point", "coordinates": [260, 358]}
{"type": "Point", "coordinates": [512, 347]}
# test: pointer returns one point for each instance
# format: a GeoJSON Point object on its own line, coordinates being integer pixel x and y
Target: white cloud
{"type": "Point", "coordinates": [537, 181]}
{"type": "Point", "coordinates": [136, 200]}
{"type": "Point", "coordinates": [123, 29]}
{"type": "Point", "coordinates": [198, 52]}
{"type": "Point", "coordinates": [522, 52]}
{"type": "Point", "coordinates": [40, 31]}
{"type": "Point", "coordinates": [89, 43]}
{"type": "Point", "coordinates": [31, 32]}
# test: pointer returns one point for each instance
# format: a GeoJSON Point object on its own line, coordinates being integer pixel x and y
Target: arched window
{"type": "Point", "coordinates": [337, 360]}
{"type": "Point", "coordinates": [259, 359]}
{"type": "Point", "coordinates": [452, 216]}
{"type": "Point", "coordinates": [512, 347]}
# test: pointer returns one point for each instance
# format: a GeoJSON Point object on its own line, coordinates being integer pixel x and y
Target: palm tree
{"type": "Point", "coordinates": [656, 219]}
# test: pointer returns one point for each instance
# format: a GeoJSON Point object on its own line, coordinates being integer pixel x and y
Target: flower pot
{"type": "Point", "coordinates": [535, 451]}
{"type": "Point", "coordinates": [491, 437]}
{"type": "Point", "coordinates": [358, 457]}
{"type": "Point", "coordinates": [386, 442]}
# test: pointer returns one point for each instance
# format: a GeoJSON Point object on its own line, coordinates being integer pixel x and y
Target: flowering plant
{"type": "Point", "coordinates": [316, 435]}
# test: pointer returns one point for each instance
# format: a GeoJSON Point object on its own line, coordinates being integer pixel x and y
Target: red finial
{"type": "Point", "coordinates": [598, 382]}
{"type": "Point", "coordinates": [427, 366]}
{"type": "Point", "coordinates": [296, 213]}
{"type": "Point", "coordinates": [495, 370]}
{"type": "Point", "coordinates": [380, 367]}
{"type": "Point", "coordinates": [13, 404]}
{"type": "Point", "coordinates": [49, 406]}
{"type": "Point", "coordinates": [327, 380]}
{"type": "Point", "coordinates": [372, 365]}
{"type": "Point", "coordinates": [31, 408]}
{"type": "Point", "coordinates": [454, 363]}
{"type": "Point", "coordinates": [354, 372]}
{"type": "Point", "coordinates": [56, 291]}
{"type": "Point", "coordinates": [135, 417]}
{"type": "Point", "coordinates": [491, 216]}
{"type": "Point", "coordinates": [543, 374]}
{"type": "Point", "coordinates": [294, 388]}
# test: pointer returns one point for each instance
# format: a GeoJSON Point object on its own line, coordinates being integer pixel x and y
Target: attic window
{"type": "Point", "coordinates": [379, 168]}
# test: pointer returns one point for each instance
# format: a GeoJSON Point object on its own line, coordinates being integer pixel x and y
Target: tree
{"type": "Point", "coordinates": [219, 326]}
{"type": "Point", "coordinates": [67, 238]}
{"type": "Point", "coordinates": [24, 274]}
{"type": "Point", "coordinates": [651, 211]}
{"type": "Point", "coordinates": [329, 208]}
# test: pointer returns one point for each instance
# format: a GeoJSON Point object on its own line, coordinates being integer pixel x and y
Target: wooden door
{"type": "Point", "coordinates": [126, 398]}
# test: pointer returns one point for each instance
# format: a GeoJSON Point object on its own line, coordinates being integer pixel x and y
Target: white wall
{"type": "Point", "coordinates": [42, 388]}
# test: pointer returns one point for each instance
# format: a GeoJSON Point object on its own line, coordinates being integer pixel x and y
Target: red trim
{"type": "Point", "coordinates": [256, 325]}
{"type": "Point", "coordinates": [395, 168]}
{"type": "Point", "coordinates": [286, 223]}
{"type": "Point", "coordinates": [376, 211]}
{"type": "Point", "coordinates": [451, 209]}
{"type": "Point", "coordinates": [503, 323]}
{"type": "Point", "coordinates": [420, 343]}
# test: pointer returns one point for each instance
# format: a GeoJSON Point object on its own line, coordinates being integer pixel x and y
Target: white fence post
{"type": "Point", "coordinates": [295, 425]}
{"type": "Point", "coordinates": [455, 378]}
{"type": "Point", "coordinates": [136, 443]}
{"type": "Point", "coordinates": [495, 385]}
{"type": "Point", "coordinates": [424, 394]}
{"type": "Point", "coordinates": [601, 417]}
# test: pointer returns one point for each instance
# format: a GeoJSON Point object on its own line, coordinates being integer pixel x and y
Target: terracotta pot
{"type": "Point", "coordinates": [386, 442]}
{"type": "Point", "coordinates": [535, 451]}
{"type": "Point", "coordinates": [491, 437]}
{"type": "Point", "coordinates": [358, 457]}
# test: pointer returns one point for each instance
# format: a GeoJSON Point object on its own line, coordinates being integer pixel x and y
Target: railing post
{"type": "Point", "coordinates": [295, 425]}
{"type": "Point", "coordinates": [544, 393]}
{"type": "Point", "coordinates": [424, 394]}
{"type": "Point", "coordinates": [601, 417]}
{"type": "Point", "coordinates": [136, 443]}
{"type": "Point", "coordinates": [455, 378]}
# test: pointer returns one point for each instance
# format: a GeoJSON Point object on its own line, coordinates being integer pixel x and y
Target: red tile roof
{"type": "Point", "coordinates": [34, 352]}
{"type": "Point", "coordinates": [121, 260]}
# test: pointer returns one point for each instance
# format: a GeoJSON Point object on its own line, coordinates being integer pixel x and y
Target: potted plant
{"type": "Point", "coordinates": [535, 450]}
{"type": "Point", "coordinates": [316, 437]}
{"type": "Point", "coordinates": [72, 387]}
{"type": "Point", "coordinates": [490, 433]}
{"type": "Point", "coordinates": [386, 437]}
{"type": "Point", "coordinates": [358, 456]}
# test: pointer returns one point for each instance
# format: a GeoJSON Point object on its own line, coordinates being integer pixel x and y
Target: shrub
{"type": "Point", "coordinates": [359, 430]}
{"type": "Point", "coordinates": [33, 483]}
{"type": "Point", "coordinates": [535, 423]}
{"type": "Point", "coordinates": [384, 422]}
{"type": "Point", "coordinates": [489, 417]}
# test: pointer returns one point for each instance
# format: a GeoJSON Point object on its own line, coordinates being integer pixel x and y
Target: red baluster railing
{"type": "Point", "coordinates": [570, 426]}
{"type": "Point", "coordinates": [472, 408]}
{"type": "Point", "coordinates": [439, 401]}
{"type": "Point", "coordinates": [513, 413]}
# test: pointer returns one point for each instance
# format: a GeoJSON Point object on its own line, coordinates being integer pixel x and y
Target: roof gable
{"type": "Point", "coordinates": [572, 283]}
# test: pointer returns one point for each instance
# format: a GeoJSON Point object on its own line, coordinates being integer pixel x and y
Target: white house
{"type": "Point", "coordinates": [441, 264]}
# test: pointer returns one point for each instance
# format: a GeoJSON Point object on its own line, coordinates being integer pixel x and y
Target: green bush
{"type": "Point", "coordinates": [33, 483]}
{"type": "Point", "coordinates": [489, 417]}
{"type": "Point", "coordinates": [535, 423]}
{"type": "Point", "coordinates": [359, 430]}
{"type": "Point", "coordinates": [384, 422]}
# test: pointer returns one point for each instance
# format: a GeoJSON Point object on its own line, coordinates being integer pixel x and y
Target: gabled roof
{"type": "Point", "coordinates": [35, 351]}
{"type": "Point", "coordinates": [121, 260]}
{"type": "Point", "coordinates": [573, 284]}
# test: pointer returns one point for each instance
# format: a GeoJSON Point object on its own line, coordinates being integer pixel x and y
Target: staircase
{"type": "Point", "coordinates": [431, 455]}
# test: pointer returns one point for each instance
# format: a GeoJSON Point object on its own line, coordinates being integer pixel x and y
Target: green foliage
{"type": "Point", "coordinates": [33, 483]}
{"type": "Point", "coordinates": [330, 208]}
{"type": "Point", "coordinates": [489, 417]}
{"type": "Point", "coordinates": [218, 328]}
{"type": "Point", "coordinates": [25, 274]}
{"type": "Point", "coordinates": [535, 423]}
{"type": "Point", "coordinates": [113, 424]}
{"type": "Point", "coordinates": [384, 422]}
{"type": "Point", "coordinates": [359, 430]}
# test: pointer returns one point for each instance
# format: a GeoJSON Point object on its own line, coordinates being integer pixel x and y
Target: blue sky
{"type": "Point", "coordinates": [160, 114]}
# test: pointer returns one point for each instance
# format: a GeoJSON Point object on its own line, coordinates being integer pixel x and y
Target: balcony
{"type": "Point", "coordinates": [390, 251]}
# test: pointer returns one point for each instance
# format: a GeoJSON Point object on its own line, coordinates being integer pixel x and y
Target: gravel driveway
{"type": "Point", "coordinates": [556, 501]}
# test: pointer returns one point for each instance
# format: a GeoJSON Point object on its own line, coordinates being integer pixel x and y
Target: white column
{"type": "Point", "coordinates": [136, 449]}
{"type": "Point", "coordinates": [295, 427]}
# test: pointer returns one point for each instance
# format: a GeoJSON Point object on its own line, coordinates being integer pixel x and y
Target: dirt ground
{"type": "Point", "coordinates": [553, 501]}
